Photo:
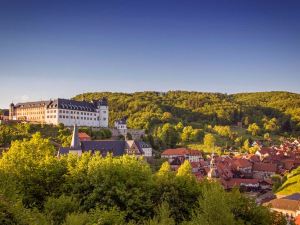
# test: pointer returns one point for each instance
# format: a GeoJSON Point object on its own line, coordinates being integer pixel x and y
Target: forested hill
{"type": "Point", "coordinates": [148, 109]}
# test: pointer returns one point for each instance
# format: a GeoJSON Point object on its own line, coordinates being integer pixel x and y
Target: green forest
{"type": "Point", "coordinates": [38, 188]}
{"type": "Point", "coordinates": [181, 118]}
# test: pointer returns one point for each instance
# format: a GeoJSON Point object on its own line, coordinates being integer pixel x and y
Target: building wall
{"type": "Point", "coordinates": [147, 152]}
{"type": "Point", "coordinates": [31, 114]}
{"type": "Point", "coordinates": [262, 174]}
{"type": "Point", "coordinates": [103, 116]}
{"type": "Point", "coordinates": [66, 116]}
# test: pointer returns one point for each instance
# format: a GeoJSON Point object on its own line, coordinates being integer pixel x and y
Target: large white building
{"type": "Point", "coordinates": [65, 111]}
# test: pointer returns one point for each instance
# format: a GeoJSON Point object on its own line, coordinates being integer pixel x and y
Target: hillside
{"type": "Point", "coordinates": [292, 184]}
{"type": "Point", "coordinates": [145, 110]}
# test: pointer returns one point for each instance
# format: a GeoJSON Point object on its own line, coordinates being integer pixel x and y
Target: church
{"type": "Point", "coordinates": [104, 147]}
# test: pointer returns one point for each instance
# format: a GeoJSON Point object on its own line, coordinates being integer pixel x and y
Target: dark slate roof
{"type": "Point", "coordinates": [295, 196]}
{"type": "Point", "coordinates": [103, 102]}
{"type": "Point", "coordinates": [64, 150]}
{"type": "Point", "coordinates": [32, 104]}
{"type": "Point", "coordinates": [115, 147]}
{"type": "Point", "coordinates": [142, 144]}
{"type": "Point", "coordinates": [72, 104]}
{"type": "Point", "coordinates": [121, 121]}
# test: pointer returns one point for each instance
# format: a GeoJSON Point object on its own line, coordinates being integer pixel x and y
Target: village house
{"type": "Point", "coordinates": [243, 167]}
{"type": "Point", "coordinates": [264, 170]}
{"type": "Point", "coordinates": [187, 154]}
{"type": "Point", "coordinates": [288, 206]}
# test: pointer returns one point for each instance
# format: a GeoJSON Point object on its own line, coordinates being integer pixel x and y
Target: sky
{"type": "Point", "coordinates": [60, 48]}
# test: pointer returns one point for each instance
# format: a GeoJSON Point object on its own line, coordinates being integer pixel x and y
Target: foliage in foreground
{"type": "Point", "coordinates": [91, 189]}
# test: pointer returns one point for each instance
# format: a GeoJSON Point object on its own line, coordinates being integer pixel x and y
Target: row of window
{"type": "Point", "coordinates": [71, 112]}
{"type": "Point", "coordinates": [73, 117]}
{"type": "Point", "coordinates": [31, 112]}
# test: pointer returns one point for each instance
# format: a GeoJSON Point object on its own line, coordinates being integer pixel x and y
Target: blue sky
{"type": "Point", "coordinates": [59, 48]}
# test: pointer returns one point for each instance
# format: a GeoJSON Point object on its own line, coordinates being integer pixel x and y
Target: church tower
{"type": "Point", "coordinates": [103, 112]}
{"type": "Point", "coordinates": [12, 111]}
{"type": "Point", "coordinates": [75, 147]}
{"type": "Point", "coordinates": [213, 171]}
{"type": "Point", "coordinates": [75, 143]}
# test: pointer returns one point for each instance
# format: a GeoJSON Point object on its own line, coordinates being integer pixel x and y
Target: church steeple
{"type": "Point", "coordinates": [213, 172]}
{"type": "Point", "coordinates": [75, 143]}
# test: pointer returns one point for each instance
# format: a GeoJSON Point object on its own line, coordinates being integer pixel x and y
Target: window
{"type": "Point", "coordinates": [104, 111]}
{"type": "Point", "coordinates": [104, 118]}
{"type": "Point", "coordinates": [60, 116]}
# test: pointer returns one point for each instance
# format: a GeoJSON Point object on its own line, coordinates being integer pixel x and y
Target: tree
{"type": "Point", "coordinates": [35, 169]}
{"type": "Point", "coordinates": [246, 145]}
{"type": "Point", "coordinates": [246, 121]}
{"type": "Point", "coordinates": [167, 116]}
{"type": "Point", "coordinates": [214, 207]}
{"type": "Point", "coordinates": [254, 129]}
{"type": "Point", "coordinates": [168, 135]}
{"type": "Point", "coordinates": [271, 125]}
{"type": "Point", "coordinates": [179, 127]}
{"type": "Point", "coordinates": [165, 169]}
{"type": "Point", "coordinates": [124, 182]}
{"type": "Point", "coordinates": [185, 169]}
{"type": "Point", "coordinates": [253, 149]}
{"type": "Point", "coordinates": [197, 135]}
{"type": "Point", "coordinates": [187, 133]}
{"type": "Point", "coordinates": [107, 217]}
{"type": "Point", "coordinates": [224, 131]}
{"type": "Point", "coordinates": [209, 140]}
{"type": "Point", "coordinates": [56, 209]}
{"type": "Point", "coordinates": [267, 136]}
{"type": "Point", "coordinates": [77, 219]}
{"type": "Point", "coordinates": [162, 216]}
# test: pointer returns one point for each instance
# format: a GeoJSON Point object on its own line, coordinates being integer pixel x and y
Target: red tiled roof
{"type": "Point", "coordinates": [181, 151]}
{"type": "Point", "coordinates": [83, 135]}
{"type": "Point", "coordinates": [242, 163]}
{"type": "Point", "coordinates": [297, 220]}
{"type": "Point", "coordinates": [266, 167]}
{"type": "Point", "coordinates": [286, 204]}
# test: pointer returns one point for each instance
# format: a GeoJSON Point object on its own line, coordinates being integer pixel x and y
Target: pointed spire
{"type": "Point", "coordinates": [75, 144]}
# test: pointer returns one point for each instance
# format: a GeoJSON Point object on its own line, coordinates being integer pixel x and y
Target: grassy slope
{"type": "Point", "coordinates": [292, 184]}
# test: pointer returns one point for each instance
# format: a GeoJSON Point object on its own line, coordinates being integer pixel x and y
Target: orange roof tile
{"type": "Point", "coordinates": [180, 151]}
{"type": "Point", "coordinates": [266, 167]}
